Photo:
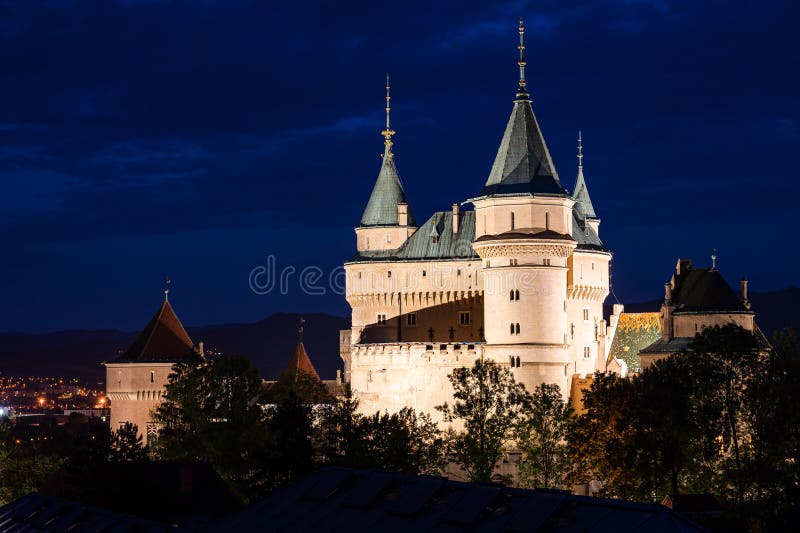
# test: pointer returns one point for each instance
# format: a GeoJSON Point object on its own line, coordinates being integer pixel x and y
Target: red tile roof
{"type": "Point", "coordinates": [300, 362]}
{"type": "Point", "coordinates": [163, 340]}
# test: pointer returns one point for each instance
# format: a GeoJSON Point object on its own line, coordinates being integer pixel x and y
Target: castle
{"type": "Point", "coordinates": [520, 279]}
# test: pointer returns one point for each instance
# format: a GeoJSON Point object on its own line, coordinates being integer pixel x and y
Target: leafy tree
{"type": "Point", "coordinates": [341, 432]}
{"type": "Point", "coordinates": [541, 437]}
{"type": "Point", "coordinates": [210, 413]}
{"type": "Point", "coordinates": [488, 402]}
{"type": "Point", "coordinates": [404, 442]}
{"type": "Point", "coordinates": [126, 444]}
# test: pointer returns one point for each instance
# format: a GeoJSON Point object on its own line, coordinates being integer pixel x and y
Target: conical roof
{"type": "Point", "coordinates": [523, 164]}
{"type": "Point", "coordinates": [163, 340]}
{"type": "Point", "coordinates": [388, 192]}
{"type": "Point", "coordinates": [583, 204]}
{"type": "Point", "coordinates": [300, 362]}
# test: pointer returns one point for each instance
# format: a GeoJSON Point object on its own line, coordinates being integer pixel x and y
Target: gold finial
{"type": "Point", "coordinates": [580, 150]}
{"type": "Point", "coordinates": [522, 92]}
{"type": "Point", "coordinates": [388, 132]}
{"type": "Point", "coordinates": [166, 289]}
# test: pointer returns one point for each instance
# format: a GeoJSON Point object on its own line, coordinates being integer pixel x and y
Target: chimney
{"type": "Point", "coordinates": [668, 293]}
{"type": "Point", "coordinates": [745, 296]}
{"type": "Point", "coordinates": [402, 214]}
{"type": "Point", "coordinates": [683, 266]}
{"type": "Point", "coordinates": [456, 212]}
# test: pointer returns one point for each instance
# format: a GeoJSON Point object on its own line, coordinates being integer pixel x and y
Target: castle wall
{"type": "Point", "coordinates": [688, 325]}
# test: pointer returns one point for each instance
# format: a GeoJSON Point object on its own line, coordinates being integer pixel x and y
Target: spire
{"type": "Point", "coordinates": [388, 132]}
{"type": "Point", "coordinates": [164, 339]}
{"type": "Point", "coordinates": [583, 204]}
{"type": "Point", "coordinates": [381, 208]}
{"type": "Point", "coordinates": [523, 164]}
{"type": "Point", "coordinates": [522, 91]}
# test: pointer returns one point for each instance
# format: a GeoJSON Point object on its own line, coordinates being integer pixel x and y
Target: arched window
{"type": "Point", "coordinates": [511, 361]}
{"type": "Point", "coordinates": [517, 328]}
{"type": "Point", "coordinates": [516, 294]}
{"type": "Point", "coordinates": [512, 295]}
{"type": "Point", "coordinates": [152, 377]}
{"type": "Point", "coordinates": [512, 329]}
{"type": "Point", "coordinates": [518, 365]}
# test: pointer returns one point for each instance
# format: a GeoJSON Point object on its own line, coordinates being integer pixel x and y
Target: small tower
{"type": "Point", "coordinates": [583, 204]}
{"type": "Point", "coordinates": [136, 380]}
{"type": "Point", "coordinates": [387, 220]}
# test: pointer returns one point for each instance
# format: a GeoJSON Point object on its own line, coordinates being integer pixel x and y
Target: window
{"type": "Point", "coordinates": [518, 363]}
{"type": "Point", "coordinates": [381, 319]}
{"type": "Point", "coordinates": [458, 272]}
{"type": "Point", "coordinates": [464, 318]}
{"type": "Point", "coordinates": [411, 319]}
{"type": "Point", "coordinates": [546, 261]}
{"type": "Point", "coordinates": [586, 314]}
{"type": "Point", "coordinates": [514, 295]}
{"type": "Point", "coordinates": [389, 274]}
{"type": "Point", "coordinates": [587, 352]}
{"type": "Point", "coordinates": [512, 220]}
{"type": "Point", "coordinates": [592, 266]}
{"type": "Point", "coordinates": [488, 264]}
{"type": "Point", "coordinates": [389, 238]}
{"type": "Point", "coordinates": [514, 329]}
{"type": "Point", "coordinates": [424, 273]}
{"type": "Point", "coordinates": [547, 220]}
{"type": "Point", "coordinates": [512, 262]}
{"type": "Point", "coordinates": [517, 327]}
{"type": "Point", "coordinates": [514, 362]}
{"type": "Point", "coordinates": [152, 377]}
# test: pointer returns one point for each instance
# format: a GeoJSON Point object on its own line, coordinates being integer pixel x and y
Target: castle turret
{"type": "Point", "coordinates": [387, 221]}
{"type": "Point", "coordinates": [136, 380]}
{"type": "Point", "coordinates": [583, 203]}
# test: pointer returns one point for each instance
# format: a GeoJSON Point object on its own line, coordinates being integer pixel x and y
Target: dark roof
{"type": "Point", "coordinates": [634, 333]}
{"type": "Point", "coordinates": [37, 512]}
{"type": "Point", "coordinates": [585, 236]}
{"type": "Point", "coordinates": [523, 164]}
{"type": "Point", "coordinates": [300, 362]}
{"type": "Point", "coordinates": [526, 233]}
{"type": "Point", "coordinates": [583, 204]}
{"type": "Point", "coordinates": [336, 499]}
{"type": "Point", "coordinates": [163, 340]}
{"type": "Point", "coordinates": [693, 503]}
{"type": "Point", "coordinates": [167, 491]}
{"type": "Point", "coordinates": [705, 290]}
{"type": "Point", "coordinates": [381, 208]}
{"type": "Point", "coordinates": [433, 240]}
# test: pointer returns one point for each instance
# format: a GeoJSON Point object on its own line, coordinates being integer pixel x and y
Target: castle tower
{"type": "Point", "coordinates": [387, 221]}
{"type": "Point", "coordinates": [136, 381]}
{"type": "Point", "coordinates": [525, 225]}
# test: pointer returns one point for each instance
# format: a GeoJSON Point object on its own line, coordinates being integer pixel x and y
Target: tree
{"type": "Point", "coordinates": [541, 437]}
{"type": "Point", "coordinates": [341, 432]}
{"type": "Point", "coordinates": [210, 413]}
{"type": "Point", "coordinates": [404, 442]}
{"type": "Point", "coordinates": [488, 402]}
{"type": "Point", "coordinates": [126, 444]}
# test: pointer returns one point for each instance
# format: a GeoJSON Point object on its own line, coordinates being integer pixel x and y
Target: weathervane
{"type": "Point", "coordinates": [388, 132]}
{"type": "Point", "coordinates": [300, 329]}
{"type": "Point", "coordinates": [166, 289]}
{"type": "Point", "coordinates": [522, 92]}
{"type": "Point", "coordinates": [714, 259]}
{"type": "Point", "coordinates": [580, 150]}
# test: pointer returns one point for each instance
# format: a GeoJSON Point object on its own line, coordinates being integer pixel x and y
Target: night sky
{"type": "Point", "coordinates": [140, 139]}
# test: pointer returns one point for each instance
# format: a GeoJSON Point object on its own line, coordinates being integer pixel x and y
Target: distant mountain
{"type": "Point", "coordinates": [268, 343]}
{"type": "Point", "coordinates": [775, 310]}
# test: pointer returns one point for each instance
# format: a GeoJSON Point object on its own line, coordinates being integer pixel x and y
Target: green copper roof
{"type": "Point", "coordinates": [388, 192]}
{"type": "Point", "coordinates": [523, 164]}
{"type": "Point", "coordinates": [434, 240]}
{"type": "Point", "coordinates": [583, 204]}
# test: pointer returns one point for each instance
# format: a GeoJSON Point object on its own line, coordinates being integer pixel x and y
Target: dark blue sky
{"type": "Point", "coordinates": [146, 138]}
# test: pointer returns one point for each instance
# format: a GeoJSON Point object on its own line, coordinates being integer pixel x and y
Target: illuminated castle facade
{"type": "Point", "coordinates": [520, 278]}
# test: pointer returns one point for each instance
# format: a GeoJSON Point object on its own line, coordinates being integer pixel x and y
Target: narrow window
{"type": "Point", "coordinates": [152, 377]}
{"type": "Point", "coordinates": [516, 295]}
{"type": "Point", "coordinates": [512, 329]}
{"type": "Point", "coordinates": [546, 262]}
{"type": "Point", "coordinates": [389, 238]}
{"type": "Point", "coordinates": [424, 273]}
{"type": "Point", "coordinates": [458, 272]}
{"type": "Point", "coordinates": [381, 319]}
{"type": "Point", "coordinates": [390, 273]}
{"type": "Point", "coordinates": [512, 296]}
{"type": "Point", "coordinates": [511, 359]}
{"type": "Point", "coordinates": [517, 328]}
{"type": "Point", "coordinates": [464, 318]}
{"type": "Point", "coordinates": [586, 314]}
{"type": "Point", "coordinates": [547, 220]}
{"type": "Point", "coordinates": [518, 364]}
{"type": "Point", "coordinates": [512, 220]}
{"type": "Point", "coordinates": [411, 319]}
